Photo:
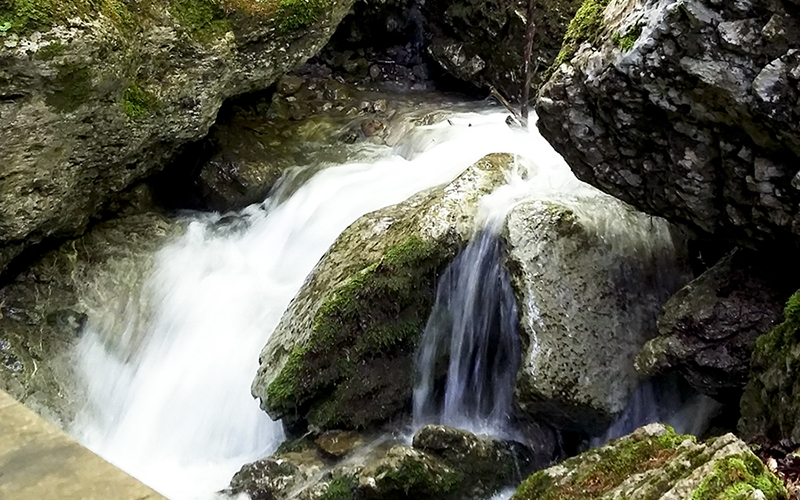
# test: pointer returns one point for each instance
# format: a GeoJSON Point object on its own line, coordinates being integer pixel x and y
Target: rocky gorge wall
{"type": "Point", "coordinates": [95, 96]}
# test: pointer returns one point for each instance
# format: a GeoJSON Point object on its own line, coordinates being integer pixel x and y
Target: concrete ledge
{"type": "Point", "coordinates": [40, 462]}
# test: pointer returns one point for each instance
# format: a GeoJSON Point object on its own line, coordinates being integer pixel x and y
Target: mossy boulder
{"type": "Point", "coordinates": [655, 463]}
{"type": "Point", "coordinates": [590, 275]}
{"type": "Point", "coordinates": [342, 355]}
{"type": "Point", "coordinates": [96, 95]}
{"type": "Point", "coordinates": [707, 330]}
{"type": "Point", "coordinates": [770, 404]}
{"type": "Point", "coordinates": [92, 282]}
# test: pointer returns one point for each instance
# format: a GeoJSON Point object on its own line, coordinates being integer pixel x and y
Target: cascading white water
{"type": "Point", "coordinates": [177, 413]}
{"type": "Point", "coordinates": [469, 353]}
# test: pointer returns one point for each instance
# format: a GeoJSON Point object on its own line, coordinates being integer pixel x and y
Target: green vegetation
{"type": "Point", "coordinates": [734, 477]}
{"type": "Point", "coordinates": [584, 27]}
{"type": "Point", "coordinates": [416, 479]}
{"type": "Point", "coordinates": [295, 14]}
{"type": "Point", "coordinates": [137, 102]}
{"type": "Point", "coordinates": [340, 488]}
{"type": "Point", "coordinates": [600, 470]}
{"type": "Point", "coordinates": [626, 41]}
{"type": "Point", "coordinates": [26, 16]}
{"type": "Point", "coordinates": [377, 311]}
{"type": "Point", "coordinates": [204, 19]}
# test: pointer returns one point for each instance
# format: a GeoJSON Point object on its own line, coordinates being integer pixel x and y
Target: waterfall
{"type": "Point", "coordinates": [175, 410]}
{"type": "Point", "coordinates": [469, 354]}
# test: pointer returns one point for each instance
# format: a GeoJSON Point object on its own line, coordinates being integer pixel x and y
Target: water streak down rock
{"type": "Point", "coordinates": [342, 354]}
{"type": "Point", "coordinates": [685, 109]}
{"type": "Point", "coordinates": [94, 98]}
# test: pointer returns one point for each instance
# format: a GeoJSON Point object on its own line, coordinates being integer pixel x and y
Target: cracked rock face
{"type": "Point", "coordinates": [92, 103]}
{"type": "Point", "coordinates": [688, 110]}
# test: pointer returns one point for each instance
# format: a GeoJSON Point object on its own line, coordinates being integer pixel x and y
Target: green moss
{"type": "Point", "coordinates": [204, 19]}
{"type": "Point", "coordinates": [340, 488]}
{"type": "Point", "coordinates": [734, 476]}
{"type": "Point", "coordinates": [26, 16]}
{"type": "Point", "coordinates": [416, 479]}
{"type": "Point", "coordinates": [50, 51]}
{"type": "Point", "coordinates": [584, 27]}
{"type": "Point", "coordinates": [378, 311]}
{"type": "Point", "coordinates": [627, 41]}
{"type": "Point", "coordinates": [22, 16]}
{"type": "Point", "coordinates": [137, 102]}
{"type": "Point", "coordinates": [600, 470]}
{"type": "Point", "coordinates": [296, 14]}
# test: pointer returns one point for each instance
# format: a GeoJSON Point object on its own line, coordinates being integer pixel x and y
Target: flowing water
{"type": "Point", "coordinates": [469, 354]}
{"type": "Point", "coordinates": [175, 410]}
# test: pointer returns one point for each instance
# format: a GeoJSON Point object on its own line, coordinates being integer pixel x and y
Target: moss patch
{"type": "Point", "coordinates": [599, 471]}
{"type": "Point", "coordinates": [340, 488]}
{"type": "Point", "coordinates": [27, 16]}
{"type": "Point", "coordinates": [204, 19]}
{"type": "Point", "coordinates": [297, 14]}
{"type": "Point", "coordinates": [137, 102]}
{"type": "Point", "coordinates": [770, 404]}
{"type": "Point", "coordinates": [584, 27]}
{"type": "Point", "coordinates": [734, 477]}
{"type": "Point", "coordinates": [626, 42]}
{"type": "Point", "coordinates": [367, 322]}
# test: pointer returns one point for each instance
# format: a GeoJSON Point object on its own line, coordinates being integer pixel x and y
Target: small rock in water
{"type": "Point", "coordinates": [289, 85]}
{"type": "Point", "coordinates": [372, 127]}
{"type": "Point", "coordinates": [339, 443]}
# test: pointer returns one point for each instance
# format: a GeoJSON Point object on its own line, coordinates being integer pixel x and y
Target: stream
{"type": "Point", "coordinates": [177, 412]}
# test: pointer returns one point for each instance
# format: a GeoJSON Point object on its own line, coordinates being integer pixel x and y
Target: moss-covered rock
{"type": "Point", "coordinates": [342, 355]}
{"type": "Point", "coordinates": [43, 312]}
{"type": "Point", "coordinates": [443, 463]}
{"type": "Point", "coordinates": [590, 275]}
{"type": "Point", "coordinates": [770, 404]}
{"type": "Point", "coordinates": [707, 330]}
{"type": "Point", "coordinates": [655, 463]}
{"type": "Point", "coordinates": [96, 95]}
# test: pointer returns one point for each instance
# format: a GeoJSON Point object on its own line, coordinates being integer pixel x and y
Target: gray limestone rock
{"type": "Point", "coordinates": [93, 101]}
{"type": "Point", "coordinates": [590, 276]}
{"type": "Point", "coordinates": [686, 109]}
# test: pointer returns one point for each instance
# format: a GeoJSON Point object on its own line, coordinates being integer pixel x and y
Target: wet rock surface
{"type": "Point", "coordinates": [442, 463]}
{"type": "Point", "coordinates": [342, 354]}
{"type": "Point", "coordinates": [93, 100]}
{"type": "Point", "coordinates": [655, 463]}
{"type": "Point", "coordinates": [590, 276]}
{"type": "Point", "coordinates": [45, 310]}
{"type": "Point", "coordinates": [687, 110]}
{"type": "Point", "coordinates": [708, 329]}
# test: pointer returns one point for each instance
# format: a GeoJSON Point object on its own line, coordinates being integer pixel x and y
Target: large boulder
{"type": "Point", "coordinates": [686, 109]}
{"type": "Point", "coordinates": [655, 463]}
{"type": "Point", "coordinates": [97, 95]}
{"type": "Point", "coordinates": [443, 463]}
{"type": "Point", "coordinates": [590, 276]}
{"type": "Point", "coordinates": [770, 405]}
{"type": "Point", "coordinates": [708, 329]}
{"type": "Point", "coordinates": [43, 312]}
{"type": "Point", "coordinates": [342, 354]}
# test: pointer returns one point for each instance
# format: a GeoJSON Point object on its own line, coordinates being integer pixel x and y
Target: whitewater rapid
{"type": "Point", "coordinates": [177, 412]}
